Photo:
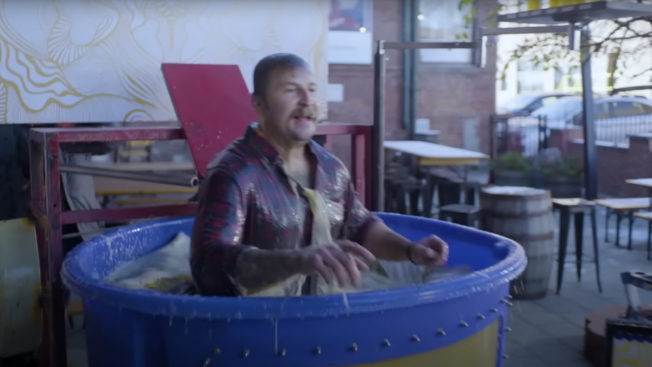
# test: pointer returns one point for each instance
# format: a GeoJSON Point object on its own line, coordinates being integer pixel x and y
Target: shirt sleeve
{"type": "Point", "coordinates": [217, 234]}
{"type": "Point", "coordinates": [358, 218]}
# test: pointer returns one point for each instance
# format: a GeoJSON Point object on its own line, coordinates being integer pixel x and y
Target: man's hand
{"type": "Point", "coordinates": [430, 251]}
{"type": "Point", "coordinates": [340, 261]}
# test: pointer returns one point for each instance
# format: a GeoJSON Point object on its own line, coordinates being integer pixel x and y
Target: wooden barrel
{"type": "Point", "coordinates": [523, 214]}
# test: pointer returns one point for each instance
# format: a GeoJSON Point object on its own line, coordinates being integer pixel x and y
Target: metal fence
{"type": "Point", "coordinates": [523, 134]}
{"type": "Point", "coordinates": [529, 135]}
{"type": "Point", "coordinates": [616, 131]}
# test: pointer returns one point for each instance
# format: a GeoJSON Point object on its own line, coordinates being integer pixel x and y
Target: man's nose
{"type": "Point", "coordinates": [308, 97]}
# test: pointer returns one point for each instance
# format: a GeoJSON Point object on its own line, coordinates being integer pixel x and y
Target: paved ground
{"type": "Point", "coordinates": [550, 331]}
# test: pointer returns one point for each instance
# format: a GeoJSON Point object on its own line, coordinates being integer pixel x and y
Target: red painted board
{"type": "Point", "coordinates": [212, 103]}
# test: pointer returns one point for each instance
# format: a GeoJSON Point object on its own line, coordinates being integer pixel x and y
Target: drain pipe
{"type": "Point", "coordinates": [408, 63]}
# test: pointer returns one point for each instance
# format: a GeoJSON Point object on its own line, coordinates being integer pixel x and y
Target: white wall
{"type": "Point", "coordinates": [94, 61]}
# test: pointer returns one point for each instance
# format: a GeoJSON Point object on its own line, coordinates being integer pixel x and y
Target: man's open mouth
{"type": "Point", "coordinates": [306, 113]}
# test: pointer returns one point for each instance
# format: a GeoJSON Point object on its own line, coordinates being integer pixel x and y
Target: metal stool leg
{"type": "Point", "coordinates": [563, 242]}
{"type": "Point", "coordinates": [630, 216]}
{"type": "Point", "coordinates": [579, 232]}
{"type": "Point", "coordinates": [649, 238]}
{"type": "Point", "coordinates": [606, 224]}
{"type": "Point", "coordinates": [619, 218]}
{"type": "Point", "coordinates": [595, 248]}
{"type": "Point", "coordinates": [414, 201]}
{"type": "Point", "coordinates": [428, 196]}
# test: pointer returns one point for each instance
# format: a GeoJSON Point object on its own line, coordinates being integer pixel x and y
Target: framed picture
{"type": "Point", "coordinates": [350, 32]}
{"type": "Point", "coordinates": [629, 343]}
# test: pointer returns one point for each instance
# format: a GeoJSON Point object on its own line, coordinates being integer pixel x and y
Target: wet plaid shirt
{"type": "Point", "coordinates": [246, 199]}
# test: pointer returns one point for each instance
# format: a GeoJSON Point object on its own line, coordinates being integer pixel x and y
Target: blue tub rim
{"type": "Point", "coordinates": [211, 307]}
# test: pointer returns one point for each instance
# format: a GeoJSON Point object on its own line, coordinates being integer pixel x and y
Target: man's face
{"type": "Point", "coordinates": [289, 109]}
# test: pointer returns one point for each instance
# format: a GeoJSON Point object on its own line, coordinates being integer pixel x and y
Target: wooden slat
{"type": "Point", "coordinates": [625, 203]}
{"type": "Point", "coordinates": [572, 202]}
{"type": "Point", "coordinates": [645, 182]}
{"type": "Point", "coordinates": [644, 215]}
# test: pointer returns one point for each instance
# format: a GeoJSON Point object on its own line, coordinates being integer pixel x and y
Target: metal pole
{"type": "Point", "coordinates": [145, 177]}
{"type": "Point", "coordinates": [590, 172]}
{"type": "Point", "coordinates": [405, 63]}
{"type": "Point", "coordinates": [378, 131]}
{"type": "Point", "coordinates": [413, 72]}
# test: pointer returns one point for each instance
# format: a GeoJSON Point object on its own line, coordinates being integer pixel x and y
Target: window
{"type": "Point", "coordinates": [631, 109]}
{"type": "Point", "coordinates": [601, 111]}
{"type": "Point", "coordinates": [442, 21]}
{"type": "Point", "coordinates": [646, 108]}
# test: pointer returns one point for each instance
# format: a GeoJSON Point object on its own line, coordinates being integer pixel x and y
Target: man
{"type": "Point", "coordinates": [256, 228]}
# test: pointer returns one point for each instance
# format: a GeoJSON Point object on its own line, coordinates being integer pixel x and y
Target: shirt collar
{"type": "Point", "coordinates": [267, 151]}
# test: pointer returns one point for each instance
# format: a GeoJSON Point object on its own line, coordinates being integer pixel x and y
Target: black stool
{"type": "Point", "coordinates": [576, 207]}
{"type": "Point", "coordinates": [395, 190]}
{"type": "Point", "coordinates": [464, 214]}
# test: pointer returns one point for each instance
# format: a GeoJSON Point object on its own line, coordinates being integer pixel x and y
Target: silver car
{"type": "Point", "coordinates": [615, 117]}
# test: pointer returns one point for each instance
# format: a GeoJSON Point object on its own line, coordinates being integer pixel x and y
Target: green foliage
{"type": "Point", "coordinates": [566, 166]}
{"type": "Point", "coordinates": [511, 162]}
{"type": "Point", "coordinates": [551, 51]}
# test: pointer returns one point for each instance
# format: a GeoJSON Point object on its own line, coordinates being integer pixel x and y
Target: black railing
{"type": "Point", "coordinates": [521, 134]}
{"type": "Point", "coordinates": [528, 135]}
{"type": "Point", "coordinates": [616, 131]}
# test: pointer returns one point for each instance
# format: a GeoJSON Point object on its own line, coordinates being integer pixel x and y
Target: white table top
{"type": "Point", "coordinates": [429, 150]}
{"type": "Point", "coordinates": [646, 182]}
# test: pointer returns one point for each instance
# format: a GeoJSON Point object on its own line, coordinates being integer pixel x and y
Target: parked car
{"type": "Point", "coordinates": [567, 111]}
{"type": "Point", "coordinates": [615, 118]}
{"type": "Point", "coordinates": [525, 104]}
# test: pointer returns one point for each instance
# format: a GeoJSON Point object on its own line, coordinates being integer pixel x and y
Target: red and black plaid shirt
{"type": "Point", "coordinates": [246, 200]}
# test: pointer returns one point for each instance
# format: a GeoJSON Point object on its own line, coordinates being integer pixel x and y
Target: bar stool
{"type": "Point", "coordinates": [464, 214]}
{"type": "Point", "coordinates": [576, 207]}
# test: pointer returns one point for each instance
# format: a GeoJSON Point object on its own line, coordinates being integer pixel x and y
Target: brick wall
{"type": "Point", "coordinates": [458, 99]}
{"type": "Point", "coordinates": [615, 165]}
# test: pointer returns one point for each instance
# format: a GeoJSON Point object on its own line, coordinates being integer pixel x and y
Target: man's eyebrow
{"type": "Point", "coordinates": [295, 84]}
{"type": "Point", "coordinates": [285, 84]}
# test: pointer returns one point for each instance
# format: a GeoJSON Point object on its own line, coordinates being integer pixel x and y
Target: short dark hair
{"type": "Point", "coordinates": [268, 64]}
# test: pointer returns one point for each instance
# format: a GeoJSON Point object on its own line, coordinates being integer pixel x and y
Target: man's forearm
{"type": "Point", "coordinates": [385, 243]}
{"type": "Point", "coordinates": [258, 269]}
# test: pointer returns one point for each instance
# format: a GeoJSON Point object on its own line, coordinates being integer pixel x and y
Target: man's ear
{"type": "Point", "coordinates": [257, 103]}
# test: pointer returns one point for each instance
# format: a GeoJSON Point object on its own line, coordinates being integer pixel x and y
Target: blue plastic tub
{"type": "Point", "coordinates": [457, 322]}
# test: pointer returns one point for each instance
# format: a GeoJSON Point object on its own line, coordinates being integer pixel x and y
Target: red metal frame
{"type": "Point", "coordinates": [49, 218]}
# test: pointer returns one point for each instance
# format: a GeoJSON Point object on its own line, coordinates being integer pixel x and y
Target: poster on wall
{"type": "Point", "coordinates": [350, 32]}
{"type": "Point", "coordinates": [83, 61]}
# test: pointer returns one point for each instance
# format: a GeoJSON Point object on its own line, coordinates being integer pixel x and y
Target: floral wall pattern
{"type": "Point", "coordinates": [99, 60]}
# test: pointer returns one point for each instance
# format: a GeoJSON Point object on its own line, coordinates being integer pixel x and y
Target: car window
{"type": "Point", "coordinates": [621, 109]}
{"type": "Point", "coordinates": [646, 108]}
{"type": "Point", "coordinates": [562, 109]}
{"type": "Point", "coordinates": [548, 100]}
{"type": "Point", "coordinates": [601, 110]}
{"type": "Point", "coordinates": [519, 102]}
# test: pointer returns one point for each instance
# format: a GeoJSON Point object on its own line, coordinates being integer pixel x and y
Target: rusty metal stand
{"type": "Point", "coordinates": [45, 170]}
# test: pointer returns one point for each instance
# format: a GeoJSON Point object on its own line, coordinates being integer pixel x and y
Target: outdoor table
{"type": "Point", "coordinates": [644, 182]}
{"type": "Point", "coordinates": [431, 154]}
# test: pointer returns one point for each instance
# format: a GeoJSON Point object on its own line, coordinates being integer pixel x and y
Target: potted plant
{"type": "Point", "coordinates": [511, 169]}
{"type": "Point", "coordinates": [562, 176]}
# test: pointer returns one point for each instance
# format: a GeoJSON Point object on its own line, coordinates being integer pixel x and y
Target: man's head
{"type": "Point", "coordinates": [285, 98]}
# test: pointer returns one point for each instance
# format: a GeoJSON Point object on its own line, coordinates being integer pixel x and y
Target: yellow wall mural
{"type": "Point", "coordinates": [93, 61]}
